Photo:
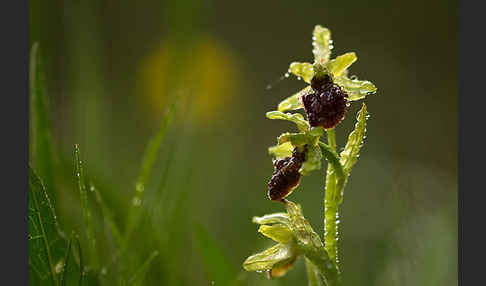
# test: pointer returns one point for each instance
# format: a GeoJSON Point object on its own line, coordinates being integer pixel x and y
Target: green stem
{"type": "Point", "coordinates": [330, 204]}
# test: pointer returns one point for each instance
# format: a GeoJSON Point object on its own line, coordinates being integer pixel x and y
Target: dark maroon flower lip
{"type": "Point", "coordinates": [325, 104]}
{"type": "Point", "coordinates": [286, 176]}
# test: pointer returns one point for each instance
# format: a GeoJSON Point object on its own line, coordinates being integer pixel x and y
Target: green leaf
{"type": "Point", "coordinates": [313, 158]}
{"type": "Point", "coordinates": [321, 41]}
{"type": "Point", "coordinates": [302, 70]}
{"type": "Point", "coordinates": [139, 276]}
{"type": "Point", "coordinates": [146, 169]}
{"type": "Point", "coordinates": [46, 242]}
{"type": "Point", "coordinates": [338, 65]}
{"type": "Point", "coordinates": [85, 207]}
{"type": "Point", "coordinates": [297, 118]}
{"type": "Point", "coordinates": [310, 244]}
{"type": "Point", "coordinates": [40, 137]}
{"type": "Point", "coordinates": [282, 218]}
{"type": "Point", "coordinates": [282, 150]}
{"type": "Point", "coordinates": [279, 254]}
{"type": "Point", "coordinates": [218, 266]}
{"type": "Point", "coordinates": [356, 89]}
{"type": "Point", "coordinates": [350, 154]}
{"type": "Point", "coordinates": [277, 232]}
{"type": "Point", "coordinates": [293, 102]}
{"type": "Point", "coordinates": [296, 139]}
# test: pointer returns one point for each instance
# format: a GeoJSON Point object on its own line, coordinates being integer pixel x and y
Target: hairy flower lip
{"type": "Point", "coordinates": [325, 105]}
{"type": "Point", "coordinates": [286, 176]}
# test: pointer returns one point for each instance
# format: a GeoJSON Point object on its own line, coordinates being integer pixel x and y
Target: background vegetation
{"type": "Point", "coordinates": [113, 68]}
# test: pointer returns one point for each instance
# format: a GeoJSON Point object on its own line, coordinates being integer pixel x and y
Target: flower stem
{"type": "Point", "coordinates": [331, 205]}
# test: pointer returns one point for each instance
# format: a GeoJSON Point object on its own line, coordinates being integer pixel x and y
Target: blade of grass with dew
{"type": "Point", "coordinates": [67, 257]}
{"type": "Point", "coordinates": [85, 207]}
{"type": "Point", "coordinates": [71, 271]}
{"type": "Point", "coordinates": [46, 245]}
{"type": "Point", "coordinates": [40, 142]}
{"type": "Point", "coordinates": [81, 261]}
{"type": "Point", "coordinates": [218, 266]}
{"type": "Point", "coordinates": [147, 163]}
{"type": "Point", "coordinates": [106, 212]}
{"type": "Point", "coordinates": [139, 276]}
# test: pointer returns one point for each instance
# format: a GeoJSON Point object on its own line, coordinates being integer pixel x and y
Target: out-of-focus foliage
{"type": "Point", "coordinates": [107, 91]}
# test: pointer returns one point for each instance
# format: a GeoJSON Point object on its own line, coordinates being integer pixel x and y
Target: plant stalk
{"type": "Point", "coordinates": [331, 205]}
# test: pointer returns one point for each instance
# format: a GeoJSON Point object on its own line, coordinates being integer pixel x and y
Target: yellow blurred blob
{"type": "Point", "coordinates": [205, 72]}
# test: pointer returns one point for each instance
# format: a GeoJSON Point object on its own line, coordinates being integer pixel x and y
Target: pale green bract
{"type": "Point", "coordinates": [302, 70]}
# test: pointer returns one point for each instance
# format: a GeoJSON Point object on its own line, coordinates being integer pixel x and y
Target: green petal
{"type": "Point", "coordinates": [282, 150]}
{"type": "Point", "coordinates": [297, 118]}
{"type": "Point", "coordinates": [302, 70]}
{"type": "Point", "coordinates": [278, 232]}
{"type": "Point", "coordinates": [356, 89]}
{"type": "Point", "coordinates": [293, 102]}
{"type": "Point", "coordinates": [338, 65]}
{"type": "Point", "coordinates": [313, 158]}
{"type": "Point", "coordinates": [282, 218]}
{"type": "Point", "coordinates": [267, 259]}
{"type": "Point", "coordinates": [349, 155]}
{"type": "Point", "coordinates": [321, 40]}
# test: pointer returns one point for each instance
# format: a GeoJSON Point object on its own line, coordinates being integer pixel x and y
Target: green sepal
{"type": "Point", "coordinates": [282, 218]}
{"type": "Point", "coordinates": [277, 232]}
{"type": "Point", "coordinates": [302, 70]}
{"type": "Point", "coordinates": [338, 65]}
{"type": "Point", "coordinates": [356, 89]}
{"type": "Point", "coordinates": [293, 102]}
{"type": "Point", "coordinates": [281, 150]}
{"type": "Point", "coordinates": [279, 254]}
{"type": "Point", "coordinates": [321, 41]}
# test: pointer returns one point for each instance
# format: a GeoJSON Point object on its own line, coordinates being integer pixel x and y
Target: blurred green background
{"type": "Point", "coordinates": [113, 67]}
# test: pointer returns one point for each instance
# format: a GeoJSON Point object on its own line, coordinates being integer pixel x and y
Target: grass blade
{"type": "Point", "coordinates": [108, 216]}
{"type": "Point", "coordinates": [218, 266]}
{"type": "Point", "coordinates": [81, 262]}
{"type": "Point", "coordinates": [139, 276]}
{"type": "Point", "coordinates": [84, 203]}
{"type": "Point", "coordinates": [40, 142]}
{"type": "Point", "coordinates": [147, 164]}
{"type": "Point", "coordinates": [66, 262]}
{"type": "Point", "coordinates": [42, 230]}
